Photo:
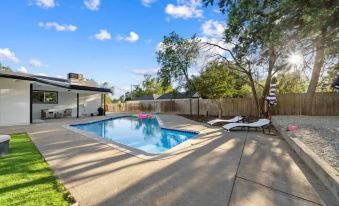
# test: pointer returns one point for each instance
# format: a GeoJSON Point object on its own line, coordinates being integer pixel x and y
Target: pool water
{"type": "Point", "coordinates": [143, 134]}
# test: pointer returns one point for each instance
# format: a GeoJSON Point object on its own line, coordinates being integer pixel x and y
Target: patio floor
{"type": "Point", "coordinates": [219, 168]}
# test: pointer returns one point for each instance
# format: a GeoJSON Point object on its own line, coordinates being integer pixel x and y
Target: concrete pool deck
{"type": "Point", "coordinates": [219, 168]}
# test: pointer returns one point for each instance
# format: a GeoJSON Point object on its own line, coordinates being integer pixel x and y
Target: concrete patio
{"type": "Point", "coordinates": [219, 168]}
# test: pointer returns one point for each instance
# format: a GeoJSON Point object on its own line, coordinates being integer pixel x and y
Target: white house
{"type": "Point", "coordinates": [27, 98]}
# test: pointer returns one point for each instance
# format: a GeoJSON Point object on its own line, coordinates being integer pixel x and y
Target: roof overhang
{"type": "Point", "coordinates": [54, 83]}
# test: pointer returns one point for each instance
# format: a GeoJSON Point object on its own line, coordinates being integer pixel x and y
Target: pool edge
{"type": "Point", "coordinates": [130, 150]}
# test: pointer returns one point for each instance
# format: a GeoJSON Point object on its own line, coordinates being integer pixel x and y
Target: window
{"type": "Point", "coordinates": [45, 97]}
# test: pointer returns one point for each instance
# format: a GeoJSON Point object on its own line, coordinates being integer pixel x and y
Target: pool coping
{"type": "Point", "coordinates": [130, 150]}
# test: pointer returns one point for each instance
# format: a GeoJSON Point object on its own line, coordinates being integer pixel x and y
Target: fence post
{"type": "Point", "coordinates": [191, 107]}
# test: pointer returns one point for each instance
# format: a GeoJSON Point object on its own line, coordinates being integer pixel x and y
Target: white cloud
{"type": "Point", "coordinates": [133, 37]}
{"type": "Point", "coordinates": [46, 4]}
{"type": "Point", "coordinates": [42, 74]}
{"type": "Point", "coordinates": [37, 63]}
{"type": "Point", "coordinates": [145, 71]}
{"type": "Point", "coordinates": [147, 3]}
{"type": "Point", "coordinates": [213, 28]}
{"type": "Point", "coordinates": [103, 35]}
{"type": "Point", "coordinates": [92, 4]}
{"type": "Point", "coordinates": [185, 9]}
{"type": "Point", "coordinates": [57, 26]}
{"type": "Point", "coordinates": [8, 55]}
{"type": "Point", "coordinates": [23, 70]}
{"type": "Point", "coordinates": [60, 76]}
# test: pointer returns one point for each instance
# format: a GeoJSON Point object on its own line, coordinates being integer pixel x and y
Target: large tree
{"type": "Point", "coordinates": [153, 85]}
{"type": "Point", "coordinates": [176, 55]}
{"type": "Point", "coordinates": [218, 80]}
{"type": "Point", "coordinates": [311, 24]}
{"type": "Point", "coordinates": [316, 23]}
{"type": "Point", "coordinates": [252, 27]}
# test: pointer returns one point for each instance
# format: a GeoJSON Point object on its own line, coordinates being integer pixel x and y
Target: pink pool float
{"type": "Point", "coordinates": [292, 127]}
{"type": "Point", "coordinates": [144, 116]}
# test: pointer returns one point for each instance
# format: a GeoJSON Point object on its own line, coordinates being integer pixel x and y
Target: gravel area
{"type": "Point", "coordinates": [320, 134]}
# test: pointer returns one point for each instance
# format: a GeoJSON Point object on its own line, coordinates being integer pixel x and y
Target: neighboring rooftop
{"type": "Point", "coordinates": [167, 96]}
{"type": "Point", "coordinates": [179, 95]}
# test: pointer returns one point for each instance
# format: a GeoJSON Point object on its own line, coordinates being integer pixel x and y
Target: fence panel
{"type": "Point", "coordinates": [326, 104]}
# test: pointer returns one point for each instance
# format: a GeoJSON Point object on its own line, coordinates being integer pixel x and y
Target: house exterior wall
{"type": "Point", "coordinates": [14, 102]}
{"type": "Point", "coordinates": [88, 102]}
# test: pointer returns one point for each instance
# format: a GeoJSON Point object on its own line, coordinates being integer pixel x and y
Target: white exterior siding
{"type": "Point", "coordinates": [14, 102]}
{"type": "Point", "coordinates": [89, 103]}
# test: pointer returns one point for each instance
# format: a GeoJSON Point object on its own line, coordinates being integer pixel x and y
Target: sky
{"type": "Point", "coordinates": [106, 40]}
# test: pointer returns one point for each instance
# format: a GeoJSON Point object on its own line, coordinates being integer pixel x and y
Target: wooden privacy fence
{"type": "Point", "coordinates": [326, 104]}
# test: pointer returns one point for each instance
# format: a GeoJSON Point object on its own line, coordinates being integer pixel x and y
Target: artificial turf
{"type": "Point", "coordinates": [25, 178]}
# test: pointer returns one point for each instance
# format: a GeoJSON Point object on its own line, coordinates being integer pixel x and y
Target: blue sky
{"type": "Point", "coordinates": [107, 40]}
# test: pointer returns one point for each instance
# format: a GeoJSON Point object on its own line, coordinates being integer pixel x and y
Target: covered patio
{"type": "Point", "coordinates": [28, 98]}
{"type": "Point", "coordinates": [52, 102]}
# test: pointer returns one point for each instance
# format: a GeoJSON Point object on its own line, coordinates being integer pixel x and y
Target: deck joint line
{"type": "Point", "coordinates": [274, 189]}
{"type": "Point", "coordinates": [236, 173]}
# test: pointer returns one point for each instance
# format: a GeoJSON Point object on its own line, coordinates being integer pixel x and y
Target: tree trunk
{"type": "Point", "coordinates": [318, 64]}
{"type": "Point", "coordinates": [271, 62]}
{"type": "Point", "coordinates": [255, 95]}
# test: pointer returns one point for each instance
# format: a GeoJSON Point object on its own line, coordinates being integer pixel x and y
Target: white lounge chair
{"type": "Point", "coordinates": [233, 120]}
{"type": "Point", "coordinates": [261, 123]}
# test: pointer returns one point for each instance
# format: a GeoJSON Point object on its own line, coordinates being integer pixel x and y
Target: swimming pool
{"type": "Point", "coordinates": [142, 134]}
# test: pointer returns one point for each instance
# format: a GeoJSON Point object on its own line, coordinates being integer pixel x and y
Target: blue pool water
{"type": "Point", "coordinates": [146, 134]}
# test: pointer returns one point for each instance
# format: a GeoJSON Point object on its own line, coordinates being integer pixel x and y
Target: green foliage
{"type": "Point", "coordinates": [220, 80]}
{"type": "Point", "coordinates": [108, 99]}
{"type": "Point", "coordinates": [291, 83]}
{"type": "Point", "coordinates": [150, 85]}
{"type": "Point", "coordinates": [308, 19]}
{"type": "Point", "coordinates": [26, 178]}
{"type": "Point", "coordinates": [175, 56]}
{"type": "Point", "coordinates": [107, 85]}
{"type": "Point", "coordinates": [268, 29]}
{"type": "Point", "coordinates": [136, 92]}
{"type": "Point", "coordinates": [252, 24]}
{"type": "Point", "coordinates": [325, 83]}
{"type": "Point", "coordinates": [119, 104]}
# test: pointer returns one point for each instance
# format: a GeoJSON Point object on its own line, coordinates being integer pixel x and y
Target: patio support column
{"type": "Point", "coordinates": [77, 105]}
{"type": "Point", "coordinates": [31, 103]}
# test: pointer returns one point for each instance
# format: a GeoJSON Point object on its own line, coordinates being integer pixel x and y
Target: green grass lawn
{"type": "Point", "coordinates": [25, 178]}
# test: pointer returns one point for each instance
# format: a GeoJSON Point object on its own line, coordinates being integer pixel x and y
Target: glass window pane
{"type": "Point", "coordinates": [38, 96]}
{"type": "Point", "coordinates": [45, 97]}
{"type": "Point", "coordinates": [51, 97]}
